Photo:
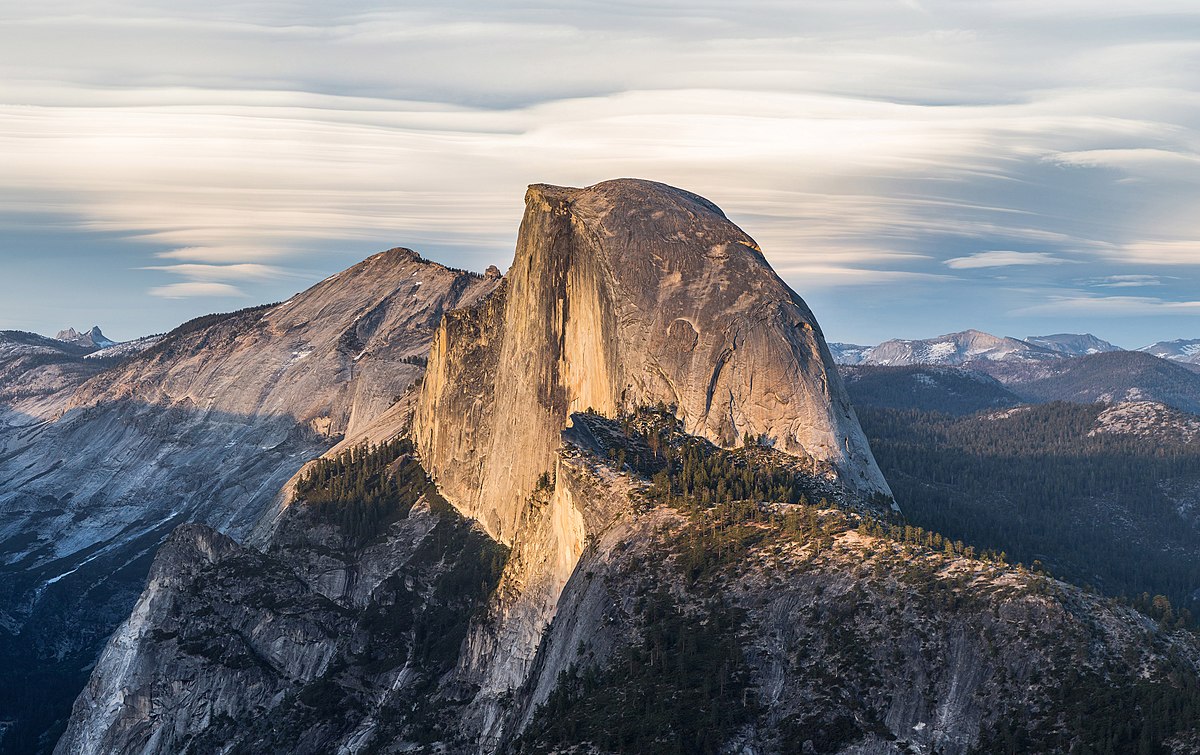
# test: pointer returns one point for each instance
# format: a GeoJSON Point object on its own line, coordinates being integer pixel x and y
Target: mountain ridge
{"type": "Point", "coordinates": [963, 347]}
{"type": "Point", "coordinates": [207, 424]}
{"type": "Point", "coordinates": [656, 556]}
{"type": "Point", "coordinates": [90, 339]}
{"type": "Point", "coordinates": [1181, 350]}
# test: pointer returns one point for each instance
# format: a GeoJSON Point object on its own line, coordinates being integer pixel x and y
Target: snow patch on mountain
{"type": "Point", "coordinates": [1180, 350]}
{"type": "Point", "coordinates": [951, 349]}
{"type": "Point", "coordinates": [127, 348]}
{"type": "Point", "coordinates": [1073, 344]}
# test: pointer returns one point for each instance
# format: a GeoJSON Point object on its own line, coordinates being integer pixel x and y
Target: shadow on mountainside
{"type": "Point", "coordinates": [85, 501]}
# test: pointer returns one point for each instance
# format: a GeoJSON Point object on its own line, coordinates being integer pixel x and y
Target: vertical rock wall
{"type": "Point", "coordinates": [628, 293]}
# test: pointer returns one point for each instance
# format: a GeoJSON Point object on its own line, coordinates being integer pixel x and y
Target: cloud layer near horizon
{"type": "Point", "coordinates": [880, 152]}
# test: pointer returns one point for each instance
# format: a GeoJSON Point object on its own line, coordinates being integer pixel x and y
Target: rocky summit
{"type": "Point", "coordinates": [625, 506]}
{"type": "Point", "coordinates": [90, 339]}
{"type": "Point", "coordinates": [626, 294]}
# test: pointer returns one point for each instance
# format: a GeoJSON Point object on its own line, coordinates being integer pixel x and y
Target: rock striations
{"type": "Point", "coordinates": [633, 512]}
{"type": "Point", "coordinates": [624, 294]}
{"type": "Point", "coordinates": [205, 425]}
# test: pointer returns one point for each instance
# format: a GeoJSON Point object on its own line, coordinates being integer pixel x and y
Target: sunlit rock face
{"type": "Point", "coordinates": [206, 425]}
{"type": "Point", "coordinates": [623, 294]}
{"type": "Point", "coordinates": [624, 611]}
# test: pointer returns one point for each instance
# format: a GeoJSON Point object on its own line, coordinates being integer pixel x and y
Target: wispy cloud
{"type": "Point", "coordinates": [1138, 159]}
{"type": "Point", "coordinates": [1111, 305]}
{"type": "Point", "coordinates": [235, 272]}
{"type": "Point", "coordinates": [225, 253]}
{"type": "Point", "coordinates": [859, 142]}
{"type": "Point", "coordinates": [809, 276]}
{"type": "Point", "coordinates": [1125, 281]}
{"type": "Point", "coordinates": [195, 289]}
{"type": "Point", "coordinates": [1003, 259]}
{"type": "Point", "coordinates": [1176, 252]}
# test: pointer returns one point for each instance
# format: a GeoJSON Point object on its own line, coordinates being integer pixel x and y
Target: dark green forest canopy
{"type": "Point", "coordinates": [1097, 509]}
{"type": "Point", "coordinates": [366, 487]}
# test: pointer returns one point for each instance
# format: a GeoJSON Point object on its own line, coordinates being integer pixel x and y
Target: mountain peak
{"type": "Point", "coordinates": [622, 191]}
{"type": "Point", "coordinates": [949, 349]}
{"type": "Point", "coordinates": [1185, 350]}
{"type": "Point", "coordinates": [1073, 344]}
{"type": "Point", "coordinates": [92, 338]}
{"type": "Point", "coordinates": [621, 295]}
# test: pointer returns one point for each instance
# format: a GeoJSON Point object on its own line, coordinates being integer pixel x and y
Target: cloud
{"type": "Point", "coordinates": [1125, 281]}
{"type": "Point", "coordinates": [811, 276]}
{"type": "Point", "coordinates": [1003, 259]}
{"type": "Point", "coordinates": [860, 142]}
{"type": "Point", "coordinates": [195, 289]}
{"type": "Point", "coordinates": [1084, 304]}
{"type": "Point", "coordinates": [1136, 159]}
{"type": "Point", "coordinates": [215, 254]}
{"type": "Point", "coordinates": [236, 272]}
{"type": "Point", "coordinates": [1178, 252]}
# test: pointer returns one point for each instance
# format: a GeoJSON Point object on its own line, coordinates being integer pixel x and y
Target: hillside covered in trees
{"type": "Point", "coordinates": [1108, 510]}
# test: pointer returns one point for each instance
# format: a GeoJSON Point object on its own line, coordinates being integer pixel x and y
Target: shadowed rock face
{"type": "Point", "coordinates": [623, 294]}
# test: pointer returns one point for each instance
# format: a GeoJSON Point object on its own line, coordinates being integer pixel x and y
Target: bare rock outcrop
{"type": "Point", "coordinates": [206, 425]}
{"type": "Point", "coordinates": [798, 629]}
{"type": "Point", "coordinates": [662, 591]}
{"type": "Point", "coordinates": [624, 294]}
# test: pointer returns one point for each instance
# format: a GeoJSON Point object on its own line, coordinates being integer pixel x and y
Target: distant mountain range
{"type": "Point", "coordinates": [971, 346]}
{"type": "Point", "coordinates": [951, 349]}
{"type": "Point", "coordinates": [1182, 350]}
{"type": "Point", "coordinates": [1109, 377]}
{"type": "Point", "coordinates": [1073, 344]}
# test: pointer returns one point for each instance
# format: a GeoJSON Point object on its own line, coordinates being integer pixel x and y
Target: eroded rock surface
{"type": "Point", "coordinates": [628, 293]}
{"type": "Point", "coordinates": [796, 628]}
{"type": "Point", "coordinates": [206, 425]}
{"type": "Point", "coordinates": [666, 588]}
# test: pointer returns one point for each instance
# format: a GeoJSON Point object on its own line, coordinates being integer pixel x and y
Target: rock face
{"type": "Point", "coordinates": [625, 294]}
{"type": "Point", "coordinates": [1148, 419]}
{"type": "Point", "coordinates": [37, 375]}
{"type": "Point", "coordinates": [205, 425]}
{"type": "Point", "coordinates": [306, 634]}
{"type": "Point", "coordinates": [89, 339]}
{"type": "Point", "coordinates": [668, 588]}
{"type": "Point", "coordinates": [622, 295]}
{"type": "Point", "coordinates": [800, 630]}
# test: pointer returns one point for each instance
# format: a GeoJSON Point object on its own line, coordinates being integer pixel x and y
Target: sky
{"type": "Point", "coordinates": [911, 168]}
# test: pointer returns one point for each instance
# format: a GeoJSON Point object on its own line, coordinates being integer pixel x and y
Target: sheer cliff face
{"type": "Point", "coordinates": [623, 294]}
